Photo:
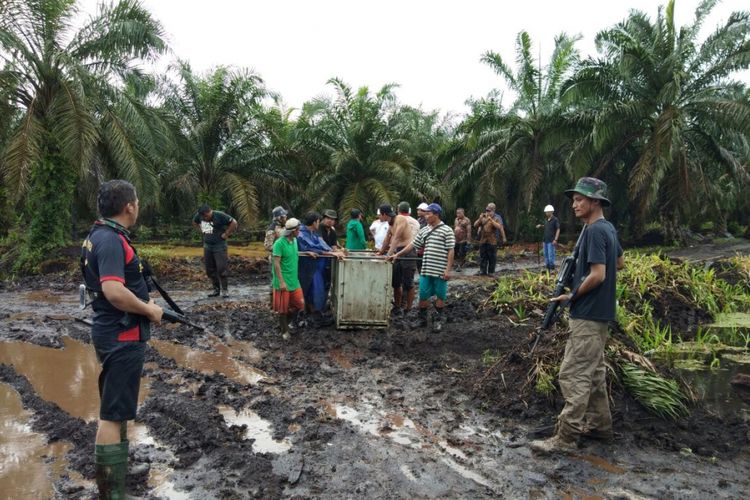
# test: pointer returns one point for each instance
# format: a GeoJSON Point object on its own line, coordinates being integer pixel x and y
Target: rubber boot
{"type": "Point", "coordinates": [111, 466]}
{"type": "Point", "coordinates": [284, 326]}
{"type": "Point", "coordinates": [422, 320]}
{"type": "Point", "coordinates": [439, 321]}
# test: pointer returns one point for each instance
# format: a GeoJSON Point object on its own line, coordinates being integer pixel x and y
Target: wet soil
{"type": "Point", "coordinates": [237, 412]}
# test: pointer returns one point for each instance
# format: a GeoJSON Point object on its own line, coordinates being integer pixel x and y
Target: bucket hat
{"type": "Point", "coordinates": [331, 214]}
{"type": "Point", "coordinates": [278, 212]}
{"type": "Point", "coordinates": [549, 208]}
{"type": "Point", "coordinates": [590, 187]}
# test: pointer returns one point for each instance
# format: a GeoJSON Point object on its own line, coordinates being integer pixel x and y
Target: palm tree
{"type": "Point", "coordinates": [665, 114]}
{"type": "Point", "coordinates": [362, 160]}
{"type": "Point", "coordinates": [512, 154]}
{"type": "Point", "coordinates": [68, 87]}
{"type": "Point", "coordinates": [217, 117]}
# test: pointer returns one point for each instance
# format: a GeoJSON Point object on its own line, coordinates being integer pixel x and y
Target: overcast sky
{"type": "Point", "coordinates": [430, 48]}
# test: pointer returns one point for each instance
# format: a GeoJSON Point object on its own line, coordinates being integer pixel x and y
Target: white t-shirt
{"type": "Point", "coordinates": [379, 230]}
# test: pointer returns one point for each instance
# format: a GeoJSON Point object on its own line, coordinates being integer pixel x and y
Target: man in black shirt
{"type": "Point", "coordinates": [327, 231]}
{"type": "Point", "coordinates": [122, 316]}
{"type": "Point", "coordinates": [216, 227]}
{"type": "Point", "coordinates": [582, 372]}
{"type": "Point", "coordinates": [551, 233]}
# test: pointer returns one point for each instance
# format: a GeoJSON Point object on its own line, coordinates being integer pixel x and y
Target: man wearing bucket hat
{"type": "Point", "coordinates": [582, 372]}
{"type": "Point", "coordinates": [287, 292]}
{"type": "Point", "coordinates": [275, 228]}
{"type": "Point", "coordinates": [551, 233]}
{"type": "Point", "coordinates": [438, 242]}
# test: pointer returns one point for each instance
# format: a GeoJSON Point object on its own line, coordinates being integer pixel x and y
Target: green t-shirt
{"type": "Point", "coordinates": [213, 229]}
{"type": "Point", "coordinates": [355, 236]}
{"type": "Point", "coordinates": [289, 254]}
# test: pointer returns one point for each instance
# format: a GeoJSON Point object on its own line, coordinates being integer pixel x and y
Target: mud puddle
{"type": "Point", "coordinates": [28, 464]}
{"type": "Point", "coordinates": [256, 428]}
{"type": "Point", "coordinates": [221, 361]}
{"type": "Point", "coordinates": [713, 387]}
{"type": "Point", "coordinates": [67, 377]}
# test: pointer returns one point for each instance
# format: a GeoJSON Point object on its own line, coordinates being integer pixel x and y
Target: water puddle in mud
{"type": "Point", "coordinates": [257, 428]}
{"type": "Point", "coordinates": [28, 465]}
{"type": "Point", "coordinates": [406, 432]}
{"type": "Point", "coordinates": [67, 377]}
{"type": "Point", "coordinates": [209, 362]}
{"type": "Point", "coordinates": [713, 387]}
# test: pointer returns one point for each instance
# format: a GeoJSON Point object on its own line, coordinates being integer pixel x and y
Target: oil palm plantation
{"type": "Point", "coordinates": [517, 154]}
{"type": "Point", "coordinates": [68, 87]}
{"type": "Point", "coordinates": [666, 115]}
{"type": "Point", "coordinates": [362, 160]}
{"type": "Point", "coordinates": [217, 115]}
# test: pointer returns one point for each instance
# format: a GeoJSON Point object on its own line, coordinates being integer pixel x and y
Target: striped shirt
{"type": "Point", "coordinates": [437, 242]}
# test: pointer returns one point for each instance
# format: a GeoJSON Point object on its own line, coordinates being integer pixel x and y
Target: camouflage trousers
{"type": "Point", "coordinates": [583, 381]}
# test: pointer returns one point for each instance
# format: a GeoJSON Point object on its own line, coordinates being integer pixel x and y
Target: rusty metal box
{"type": "Point", "coordinates": [361, 292]}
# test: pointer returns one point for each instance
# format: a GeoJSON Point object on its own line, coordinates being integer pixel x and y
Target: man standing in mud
{"type": "Point", "coordinates": [311, 268]}
{"type": "Point", "coordinates": [438, 242]}
{"type": "Point", "coordinates": [404, 230]}
{"type": "Point", "coordinates": [123, 313]}
{"type": "Point", "coordinates": [216, 227]}
{"type": "Point", "coordinates": [287, 293]}
{"type": "Point", "coordinates": [551, 233]}
{"type": "Point", "coordinates": [275, 229]}
{"type": "Point", "coordinates": [462, 232]}
{"type": "Point", "coordinates": [592, 307]}
{"type": "Point", "coordinates": [491, 228]}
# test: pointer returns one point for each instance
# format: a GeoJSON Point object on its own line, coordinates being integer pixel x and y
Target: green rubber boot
{"type": "Point", "coordinates": [111, 465]}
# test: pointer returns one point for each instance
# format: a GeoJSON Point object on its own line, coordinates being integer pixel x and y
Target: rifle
{"type": "Point", "coordinates": [174, 315]}
{"type": "Point", "coordinates": [564, 280]}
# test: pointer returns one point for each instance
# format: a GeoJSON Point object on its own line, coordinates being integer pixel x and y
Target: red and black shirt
{"type": "Point", "coordinates": [107, 255]}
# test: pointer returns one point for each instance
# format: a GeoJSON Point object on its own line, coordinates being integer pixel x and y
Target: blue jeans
{"type": "Point", "coordinates": [549, 255]}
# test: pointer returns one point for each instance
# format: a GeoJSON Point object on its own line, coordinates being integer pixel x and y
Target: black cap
{"type": "Point", "coordinates": [387, 210]}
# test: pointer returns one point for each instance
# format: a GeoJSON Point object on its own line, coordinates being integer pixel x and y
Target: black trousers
{"type": "Point", "coordinates": [487, 258]}
{"type": "Point", "coordinates": [216, 267]}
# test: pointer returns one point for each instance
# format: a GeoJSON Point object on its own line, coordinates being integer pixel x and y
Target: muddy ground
{"type": "Point", "coordinates": [236, 412]}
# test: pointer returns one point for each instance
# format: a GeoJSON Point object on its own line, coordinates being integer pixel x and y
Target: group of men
{"type": "Point", "coordinates": [123, 310]}
{"type": "Point", "coordinates": [302, 254]}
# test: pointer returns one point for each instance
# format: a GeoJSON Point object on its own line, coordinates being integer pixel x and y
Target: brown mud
{"type": "Point", "coordinates": [237, 412]}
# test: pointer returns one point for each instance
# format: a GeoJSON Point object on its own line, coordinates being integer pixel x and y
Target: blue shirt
{"type": "Point", "coordinates": [309, 241]}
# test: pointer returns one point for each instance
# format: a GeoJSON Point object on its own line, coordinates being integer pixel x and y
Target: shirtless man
{"type": "Point", "coordinates": [402, 232]}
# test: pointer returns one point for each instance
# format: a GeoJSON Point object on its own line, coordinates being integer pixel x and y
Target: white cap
{"type": "Point", "coordinates": [549, 208]}
{"type": "Point", "coordinates": [422, 206]}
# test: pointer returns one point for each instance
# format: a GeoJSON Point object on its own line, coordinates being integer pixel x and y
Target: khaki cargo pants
{"type": "Point", "coordinates": [583, 381]}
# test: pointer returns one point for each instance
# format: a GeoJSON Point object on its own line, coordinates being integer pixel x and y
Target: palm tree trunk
{"type": "Point", "coordinates": [47, 210]}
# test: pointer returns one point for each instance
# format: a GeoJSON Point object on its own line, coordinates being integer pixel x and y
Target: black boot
{"type": "Point", "coordinates": [111, 462]}
{"type": "Point", "coordinates": [422, 319]}
{"type": "Point", "coordinates": [215, 293]}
